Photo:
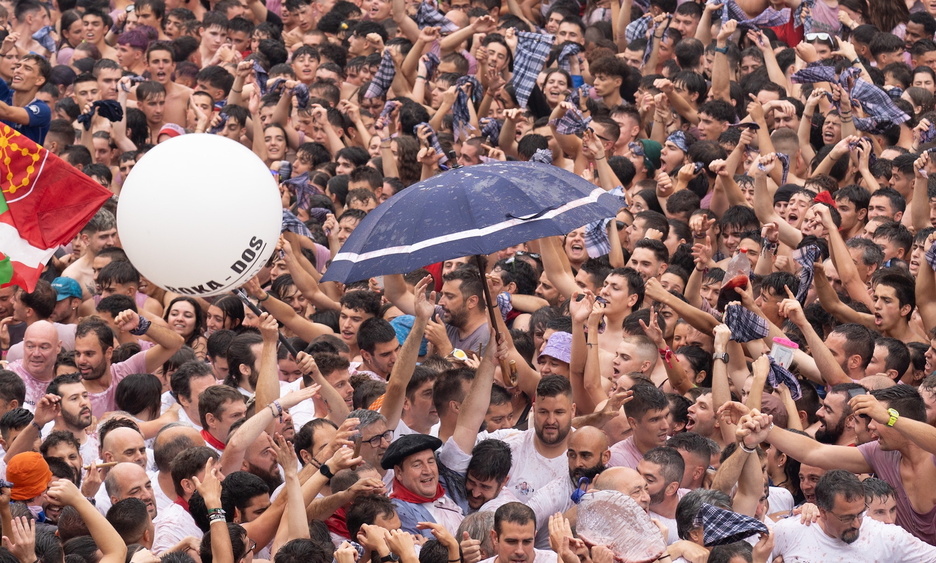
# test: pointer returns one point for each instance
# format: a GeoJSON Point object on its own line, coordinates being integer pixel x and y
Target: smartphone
{"type": "Point", "coordinates": [357, 445]}
{"type": "Point", "coordinates": [580, 296]}
{"type": "Point", "coordinates": [852, 393]}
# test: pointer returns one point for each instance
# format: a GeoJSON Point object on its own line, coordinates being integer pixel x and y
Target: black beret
{"type": "Point", "coordinates": [406, 446]}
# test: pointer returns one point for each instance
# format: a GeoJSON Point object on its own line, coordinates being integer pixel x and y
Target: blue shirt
{"type": "Point", "coordinates": [39, 115]}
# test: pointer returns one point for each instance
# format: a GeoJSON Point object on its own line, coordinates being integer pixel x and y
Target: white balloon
{"type": "Point", "coordinates": [199, 215]}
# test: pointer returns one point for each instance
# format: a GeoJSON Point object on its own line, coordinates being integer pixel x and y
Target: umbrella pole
{"type": "Point", "coordinates": [492, 310]}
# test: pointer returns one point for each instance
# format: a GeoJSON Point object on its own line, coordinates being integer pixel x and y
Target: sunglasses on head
{"type": "Point", "coordinates": [810, 37]}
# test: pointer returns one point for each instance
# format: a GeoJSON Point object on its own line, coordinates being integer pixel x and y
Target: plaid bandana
{"type": "Point", "coordinates": [779, 374]}
{"type": "Point", "coordinates": [302, 188]}
{"type": "Point", "coordinates": [572, 123]}
{"type": "Point", "coordinates": [806, 257]}
{"type": "Point", "coordinates": [722, 527]}
{"type": "Point", "coordinates": [871, 158]}
{"type": "Point", "coordinates": [292, 224]}
{"type": "Point", "coordinates": [784, 166]}
{"type": "Point", "coordinates": [428, 16]}
{"type": "Point", "coordinates": [895, 92]}
{"type": "Point", "coordinates": [261, 77]}
{"type": "Point", "coordinates": [433, 57]}
{"type": "Point", "coordinates": [745, 325]}
{"type": "Point", "coordinates": [543, 156]}
{"type": "Point", "coordinates": [802, 17]}
{"type": "Point", "coordinates": [768, 18]}
{"type": "Point", "coordinates": [44, 38]}
{"type": "Point", "coordinates": [319, 214]}
{"type": "Point", "coordinates": [596, 232]}
{"type": "Point", "coordinates": [504, 304]}
{"type": "Point", "coordinates": [461, 116]}
{"type": "Point", "coordinates": [532, 53]}
{"type": "Point", "coordinates": [931, 256]}
{"type": "Point", "coordinates": [384, 77]}
{"type": "Point", "coordinates": [878, 105]}
{"type": "Point", "coordinates": [433, 141]}
{"type": "Point", "coordinates": [638, 28]}
{"type": "Point", "coordinates": [569, 49]}
{"type": "Point", "coordinates": [301, 93]}
{"type": "Point", "coordinates": [108, 109]}
{"type": "Point", "coordinates": [678, 138]}
{"type": "Point", "coordinates": [928, 135]}
{"type": "Point", "coordinates": [220, 126]}
{"type": "Point", "coordinates": [490, 130]}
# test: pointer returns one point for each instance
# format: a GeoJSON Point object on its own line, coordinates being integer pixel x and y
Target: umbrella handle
{"type": "Point", "coordinates": [256, 310]}
{"type": "Point", "coordinates": [507, 372]}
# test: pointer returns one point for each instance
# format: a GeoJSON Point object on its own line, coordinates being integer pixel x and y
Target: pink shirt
{"type": "Point", "coordinates": [104, 401]}
{"type": "Point", "coordinates": [35, 388]}
{"type": "Point", "coordinates": [625, 454]}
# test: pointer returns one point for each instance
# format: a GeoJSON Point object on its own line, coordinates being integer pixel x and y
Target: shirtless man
{"type": "Point", "coordinates": [98, 234]}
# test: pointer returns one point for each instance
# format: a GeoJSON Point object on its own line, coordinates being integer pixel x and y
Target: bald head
{"type": "Point", "coordinates": [41, 346]}
{"type": "Point", "coordinates": [589, 436]}
{"type": "Point", "coordinates": [172, 440]}
{"type": "Point", "coordinates": [129, 480]}
{"type": "Point", "coordinates": [625, 480]}
{"type": "Point", "coordinates": [124, 445]}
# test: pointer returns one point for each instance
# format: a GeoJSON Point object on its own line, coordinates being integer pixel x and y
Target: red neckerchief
{"type": "Point", "coordinates": [182, 502]}
{"type": "Point", "coordinates": [212, 441]}
{"type": "Point", "coordinates": [337, 524]}
{"type": "Point", "coordinates": [406, 495]}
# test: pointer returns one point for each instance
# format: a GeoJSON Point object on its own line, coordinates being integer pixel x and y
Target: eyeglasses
{"type": "Point", "coordinates": [252, 545]}
{"type": "Point", "coordinates": [849, 518]}
{"type": "Point", "coordinates": [376, 440]}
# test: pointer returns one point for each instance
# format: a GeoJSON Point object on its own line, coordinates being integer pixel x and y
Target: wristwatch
{"type": "Point", "coordinates": [723, 357]}
{"type": "Point", "coordinates": [324, 470]}
{"type": "Point", "coordinates": [894, 415]}
{"type": "Point", "coordinates": [389, 558]}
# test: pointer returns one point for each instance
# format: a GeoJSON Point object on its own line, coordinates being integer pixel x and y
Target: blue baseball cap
{"type": "Point", "coordinates": [65, 288]}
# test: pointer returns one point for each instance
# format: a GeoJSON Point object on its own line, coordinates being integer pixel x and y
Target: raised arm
{"type": "Point", "coordinates": [474, 407]}
{"type": "Point", "coordinates": [755, 428]}
{"type": "Point", "coordinates": [167, 340]}
{"type": "Point", "coordinates": [113, 549]}
{"type": "Point", "coordinates": [284, 313]}
{"type": "Point", "coordinates": [402, 371]}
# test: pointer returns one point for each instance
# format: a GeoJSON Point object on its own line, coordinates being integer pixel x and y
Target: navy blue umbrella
{"type": "Point", "coordinates": [472, 210]}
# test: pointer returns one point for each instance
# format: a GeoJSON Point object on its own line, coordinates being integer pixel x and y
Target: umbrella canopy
{"type": "Point", "coordinates": [473, 210]}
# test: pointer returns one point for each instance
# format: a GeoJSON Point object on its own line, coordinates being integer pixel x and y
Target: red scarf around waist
{"type": "Point", "coordinates": [406, 495]}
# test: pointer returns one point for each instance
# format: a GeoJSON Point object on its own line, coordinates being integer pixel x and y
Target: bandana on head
{"type": "Point", "coordinates": [678, 138]}
{"type": "Point", "coordinates": [721, 527]}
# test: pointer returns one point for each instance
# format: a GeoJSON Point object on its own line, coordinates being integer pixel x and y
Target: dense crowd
{"type": "Point", "coordinates": [739, 366]}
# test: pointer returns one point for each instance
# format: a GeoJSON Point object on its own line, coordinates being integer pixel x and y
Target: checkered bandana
{"type": "Point", "coordinates": [433, 140]}
{"type": "Point", "coordinates": [572, 123]}
{"type": "Point", "coordinates": [384, 77]}
{"type": "Point", "coordinates": [721, 527]}
{"type": "Point", "coordinates": [428, 16]}
{"type": "Point", "coordinates": [745, 325]}
{"type": "Point", "coordinates": [532, 53]}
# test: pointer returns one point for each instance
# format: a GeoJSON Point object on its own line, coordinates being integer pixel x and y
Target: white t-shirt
{"type": "Point", "coordinates": [541, 556]}
{"type": "Point", "coordinates": [530, 470]}
{"type": "Point", "coordinates": [172, 526]}
{"type": "Point", "coordinates": [555, 496]}
{"type": "Point", "coordinates": [779, 500]}
{"type": "Point", "coordinates": [877, 542]}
